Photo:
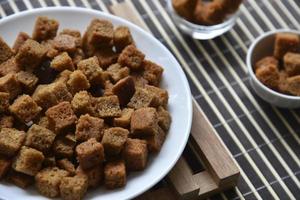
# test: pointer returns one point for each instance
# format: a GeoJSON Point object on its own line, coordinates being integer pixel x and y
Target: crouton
{"type": "Point", "coordinates": [4, 101]}
{"type": "Point", "coordinates": [19, 179]}
{"type": "Point", "coordinates": [268, 60]}
{"type": "Point", "coordinates": [160, 96]}
{"type": "Point", "coordinates": [209, 13]}
{"type": "Point", "coordinates": [65, 43]}
{"type": "Point", "coordinates": [5, 51]}
{"type": "Point", "coordinates": [141, 99]}
{"type": "Point", "coordinates": [164, 118]}
{"type": "Point", "coordinates": [9, 67]}
{"type": "Point", "coordinates": [106, 106]}
{"type": "Point", "coordinates": [155, 142]}
{"type": "Point", "coordinates": [135, 154]}
{"type": "Point", "coordinates": [63, 147]}
{"type": "Point", "coordinates": [6, 121]}
{"type": "Point", "coordinates": [268, 75]}
{"type": "Point", "coordinates": [10, 84]}
{"type": "Point", "coordinates": [74, 33]}
{"type": "Point", "coordinates": [292, 63]}
{"type": "Point", "coordinates": [124, 119]}
{"type": "Point", "coordinates": [94, 175]}
{"type": "Point", "coordinates": [124, 89]}
{"type": "Point", "coordinates": [184, 8]}
{"type": "Point", "coordinates": [122, 38]}
{"type": "Point", "coordinates": [49, 162]}
{"type": "Point", "coordinates": [286, 42]}
{"type": "Point", "coordinates": [114, 139]}
{"type": "Point", "coordinates": [152, 72]}
{"type": "Point", "coordinates": [131, 57]}
{"type": "Point", "coordinates": [5, 165]}
{"type": "Point", "coordinates": [67, 165]}
{"type": "Point", "coordinates": [144, 121]}
{"type": "Point", "coordinates": [116, 72]}
{"type": "Point", "coordinates": [139, 80]}
{"type": "Point", "coordinates": [77, 82]}
{"type": "Point", "coordinates": [293, 85]}
{"type": "Point", "coordinates": [106, 57]}
{"type": "Point", "coordinates": [115, 174]}
{"type": "Point", "coordinates": [62, 62]}
{"type": "Point", "coordinates": [27, 80]}
{"type": "Point", "coordinates": [63, 76]}
{"type": "Point", "coordinates": [20, 40]}
{"type": "Point", "coordinates": [73, 188]}
{"type": "Point", "coordinates": [82, 103]}
{"type": "Point", "coordinates": [91, 69]}
{"type": "Point", "coordinates": [44, 28]}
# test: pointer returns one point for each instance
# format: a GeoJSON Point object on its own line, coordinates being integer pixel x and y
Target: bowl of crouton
{"type": "Point", "coordinates": [273, 62]}
{"type": "Point", "coordinates": [203, 19]}
{"type": "Point", "coordinates": [91, 106]}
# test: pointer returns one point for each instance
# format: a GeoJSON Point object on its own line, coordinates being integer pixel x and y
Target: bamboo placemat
{"type": "Point", "coordinates": [263, 139]}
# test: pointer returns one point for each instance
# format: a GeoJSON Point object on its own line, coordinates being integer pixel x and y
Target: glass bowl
{"type": "Point", "coordinates": [202, 32]}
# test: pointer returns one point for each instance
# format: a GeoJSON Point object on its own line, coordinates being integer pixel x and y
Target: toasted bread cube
{"type": "Point", "coordinates": [51, 52]}
{"type": "Point", "coordinates": [135, 154]}
{"type": "Point", "coordinates": [9, 67]}
{"type": "Point", "coordinates": [107, 106]}
{"type": "Point", "coordinates": [30, 54]}
{"type": "Point", "coordinates": [124, 89]}
{"type": "Point", "coordinates": [292, 63]}
{"type": "Point", "coordinates": [28, 80]}
{"type": "Point", "coordinates": [184, 8]}
{"type": "Point", "coordinates": [268, 75]}
{"type": "Point", "coordinates": [229, 6]}
{"type": "Point", "coordinates": [25, 108]}
{"type": "Point", "coordinates": [107, 88]}
{"type": "Point", "coordinates": [78, 56]}
{"type": "Point", "coordinates": [116, 72]}
{"type": "Point", "coordinates": [39, 138]}
{"type": "Point", "coordinates": [283, 85]}
{"type": "Point", "coordinates": [268, 60]}
{"type": "Point", "coordinates": [100, 33]}
{"type": "Point", "coordinates": [44, 28]}
{"type": "Point", "coordinates": [5, 165]}
{"type": "Point", "coordinates": [11, 141]}
{"type": "Point", "coordinates": [20, 40]}
{"type": "Point", "coordinates": [94, 175]}
{"type": "Point", "coordinates": [67, 165]}
{"type": "Point", "coordinates": [139, 80]}
{"type": "Point", "coordinates": [5, 51]}
{"type": "Point", "coordinates": [4, 101]}
{"type": "Point", "coordinates": [6, 121]}
{"type": "Point", "coordinates": [28, 161]}
{"type": "Point", "coordinates": [144, 121]}
{"type": "Point", "coordinates": [90, 153]}
{"type": "Point", "coordinates": [286, 42]}
{"type": "Point", "coordinates": [74, 33]}
{"type": "Point", "coordinates": [124, 119]}
{"type": "Point", "coordinates": [19, 179]}
{"type": "Point", "coordinates": [10, 84]}
{"type": "Point", "coordinates": [122, 38]}
{"type": "Point", "coordinates": [131, 57]}
{"type": "Point", "coordinates": [114, 139]}
{"type": "Point", "coordinates": [82, 103]}
{"type": "Point", "coordinates": [62, 62]}
{"type": "Point", "coordinates": [91, 69]}
{"type": "Point", "coordinates": [141, 99]}
{"type": "Point", "coordinates": [63, 76]}
{"type": "Point", "coordinates": [73, 188]}
{"type": "Point", "coordinates": [161, 96]}
{"type": "Point", "coordinates": [209, 13]}
{"type": "Point", "coordinates": [115, 174]}
{"type": "Point", "coordinates": [77, 82]}
{"type": "Point", "coordinates": [293, 85]}
{"type": "Point", "coordinates": [43, 122]}
{"type": "Point", "coordinates": [155, 142]}
{"type": "Point", "coordinates": [48, 180]}
{"type": "Point", "coordinates": [164, 118]}
{"type": "Point", "coordinates": [65, 43]}
{"type": "Point", "coordinates": [106, 57]}
{"type": "Point", "coordinates": [49, 162]}
{"type": "Point", "coordinates": [61, 116]}
{"type": "Point", "coordinates": [89, 127]}
{"type": "Point", "coordinates": [64, 147]}
{"type": "Point", "coordinates": [152, 73]}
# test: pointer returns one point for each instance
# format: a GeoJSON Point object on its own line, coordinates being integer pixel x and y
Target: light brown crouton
{"type": "Point", "coordinates": [106, 106]}
{"type": "Point", "coordinates": [20, 40]}
{"type": "Point", "coordinates": [44, 28]}
{"type": "Point", "coordinates": [124, 89]}
{"type": "Point", "coordinates": [122, 38]}
{"type": "Point", "coordinates": [5, 51]}
{"type": "Point", "coordinates": [73, 188]}
{"type": "Point", "coordinates": [9, 67]}
{"type": "Point", "coordinates": [131, 57]}
{"type": "Point", "coordinates": [114, 139]}
{"type": "Point", "coordinates": [77, 82]}
{"type": "Point", "coordinates": [152, 72]}
{"type": "Point", "coordinates": [124, 119]}
{"type": "Point", "coordinates": [62, 62]}
{"type": "Point", "coordinates": [10, 84]}
{"type": "Point", "coordinates": [286, 42]}
{"type": "Point", "coordinates": [135, 154]}
{"type": "Point", "coordinates": [115, 174]}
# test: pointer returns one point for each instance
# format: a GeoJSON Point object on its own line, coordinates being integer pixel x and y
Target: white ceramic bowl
{"type": "Point", "coordinates": [261, 47]}
{"type": "Point", "coordinates": [174, 80]}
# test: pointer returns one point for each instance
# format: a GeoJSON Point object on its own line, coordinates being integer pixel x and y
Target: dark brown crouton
{"type": "Point", "coordinates": [6, 121]}
{"type": "Point", "coordinates": [184, 8]}
{"type": "Point", "coordinates": [74, 33]}
{"type": "Point", "coordinates": [286, 42]}
{"type": "Point", "coordinates": [39, 138]}
{"type": "Point", "coordinates": [49, 162]}
{"type": "Point", "coordinates": [124, 119]}
{"type": "Point", "coordinates": [82, 103]}
{"type": "Point", "coordinates": [283, 85]}
{"type": "Point", "coordinates": [135, 154]}
{"type": "Point", "coordinates": [19, 179]}
{"type": "Point", "coordinates": [91, 69]}
{"type": "Point", "coordinates": [9, 66]}
{"type": "Point", "coordinates": [89, 127]}
{"type": "Point", "coordinates": [268, 75]}
{"type": "Point", "coordinates": [106, 57]}
{"type": "Point", "coordinates": [28, 80]}
{"type": "Point", "coordinates": [293, 85]}
{"type": "Point", "coordinates": [77, 82]}
{"type": "Point", "coordinates": [209, 13]}
{"type": "Point", "coordinates": [269, 60]}
{"type": "Point", "coordinates": [160, 95]}
{"type": "Point", "coordinates": [124, 89]}
{"type": "Point", "coordinates": [115, 174]}
{"type": "Point", "coordinates": [122, 38]}
{"type": "Point", "coordinates": [144, 121]}
{"type": "Point", "coordinates": [65, 43]}
{"type": "Point", "coordinates": [63, 146]}
{"type": "Point", "coordinates": [44, 28]}
{"type": "Point", "coordinates": [131, 57]}
{"type": "Point", "coordinates": [61, 116]}
{"type": "Point", "coordinates": [152, 73]}
{"type": "Point", "coordinates": [4, 101]}
{"type": "Point", "coordinates": [73, 188]}
{"type": "Point", "coordinates": [117, 72]}
{"type": "Point", "coordinates": [48, 180]}
{"type": "Point", "coordinates": [5, 165]}
{"type": "Point", "coordinates": [155, 142]}
{"type": "Point", "coordinates": [66, 165]}
{"type": "Point", "coordinates": [62, 62]}
{"type": "Point", "coordinates": [10, 84]}
{"type": "Point", "coordinates": [139, 80]}
{"type": "Point", "coordinates": [20, 40]}
{"type": "Point", "coordinates": [164, 118]}
{"type": "Point", "coordinates": [25, 108]}
{"type": "Point", "coordinates": [106, 106]}
{"type": "Point", "coordinates": [94, 175]}
{"type": "Point", "coordinates": [30, 54]}
{"type": "Point", "coordinates": [5, 51]}
{"type": "Point", "coordinates": [141, 99]}
{"type": "Point", "coordinates": [114, 139]}
{"type": "Point", "coordinates": [28, 161]}
{"type": "Point", "coordinates": [90, 153]}
{"type": "Point", "coordinates": [292, 63]}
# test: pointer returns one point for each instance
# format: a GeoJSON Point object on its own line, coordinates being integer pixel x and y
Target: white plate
{"type": "Point", "coordinates": [174, 80]}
